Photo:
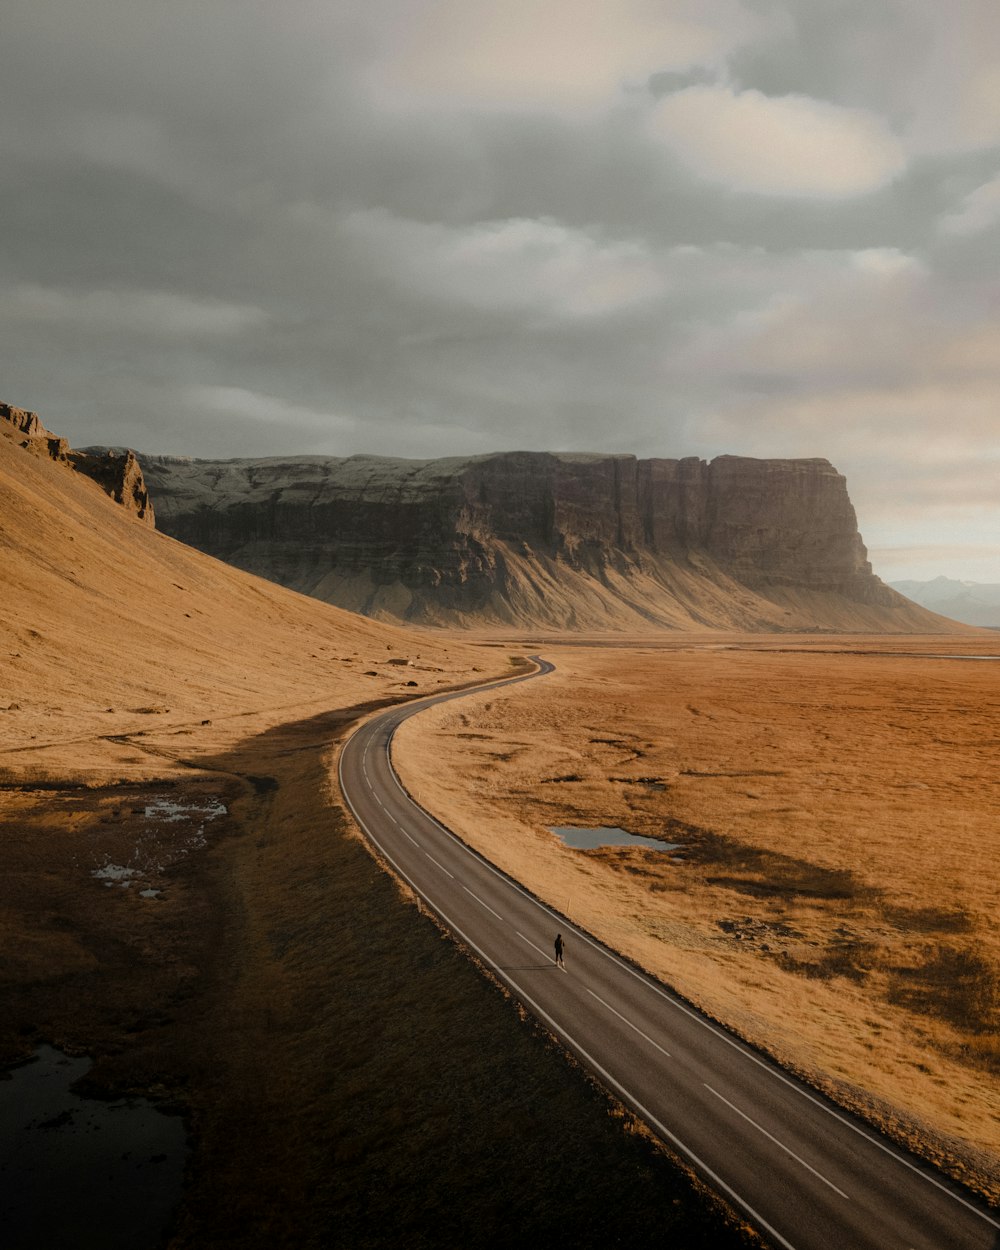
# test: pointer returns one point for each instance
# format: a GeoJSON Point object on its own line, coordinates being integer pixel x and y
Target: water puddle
{"type": "Point", "coordinates": [83, 1172]}
{"type": "Point", "coordinates": [608, 835]}
{"type": "Point", "coordinates": [154, 853]}
{"type": "Point", "coordinates": [170, 811]}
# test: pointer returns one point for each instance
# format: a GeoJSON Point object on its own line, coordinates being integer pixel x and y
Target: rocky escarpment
{"type": "Point", "coordinates": [118, 473]}
{"type": "Point", "coordinates": [540, 539]}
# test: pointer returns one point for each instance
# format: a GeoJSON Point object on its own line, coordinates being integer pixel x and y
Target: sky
{"type": "Point", "coordinates": [445, 227]}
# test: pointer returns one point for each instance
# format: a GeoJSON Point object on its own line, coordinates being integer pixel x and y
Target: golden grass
{"type": "Point", "coordinates": [834, 899]}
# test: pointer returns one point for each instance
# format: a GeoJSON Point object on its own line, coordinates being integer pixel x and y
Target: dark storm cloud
{"type": "Point", "coordinates": [414, 228]}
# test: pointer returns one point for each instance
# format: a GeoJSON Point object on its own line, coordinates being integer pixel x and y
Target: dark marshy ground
{"type": "Point", "coordinates": [215, 935]}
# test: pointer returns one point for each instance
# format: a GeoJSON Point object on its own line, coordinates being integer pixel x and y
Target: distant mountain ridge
{"type": "Point", "coordinates": [544, 540]}
{"type": "Point", "coordinates": [974, 603]}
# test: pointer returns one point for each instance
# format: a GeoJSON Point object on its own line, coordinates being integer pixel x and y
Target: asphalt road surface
{"type": "Point", "coordinates": [806, 1173]}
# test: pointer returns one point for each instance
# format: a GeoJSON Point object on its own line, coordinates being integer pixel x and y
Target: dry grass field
{"type": "Point", "coordinates": [836, 802]}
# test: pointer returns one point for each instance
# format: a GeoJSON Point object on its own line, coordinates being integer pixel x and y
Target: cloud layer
{"type": "Point", "coordinates": [760, 227]}
{"type": "Point", "coordinates": [790, 146]}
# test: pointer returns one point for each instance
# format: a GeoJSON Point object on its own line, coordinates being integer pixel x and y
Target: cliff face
{"type": "Point", "coordinates": [540, 539]}
{"type": "Point", "coordinates": [769, 522]}
{"type": "Point", "coordinates": [117, 473]}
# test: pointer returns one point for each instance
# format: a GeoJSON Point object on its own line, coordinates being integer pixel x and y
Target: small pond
{"type": "Point", "coordinates": [608, 835]}
{"type": "Point", "coordinates": [83, 1172]}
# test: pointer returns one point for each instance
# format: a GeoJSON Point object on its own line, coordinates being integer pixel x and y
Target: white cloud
{"type": "Point", "coordinates": [950, 90]}
{"type": "Point", "coordinates": [147, 313]}
{"type": "Point", "coordinates": [978, 211]}
{"type": "Point", "coordinates": [549, 54]}
{"type": "Point", "coordinates": [885, 263]}
{"type": "Point", "coordinates": [787, 146]}
{"type": "Point", "coordinates": [815, 319]}
{"type": "Point", "coordinates": [519, 265]}
{"type": "Point", "coordinates": [257, 408]}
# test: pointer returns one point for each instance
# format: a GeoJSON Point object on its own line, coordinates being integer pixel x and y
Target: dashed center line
{"type": "Point", "coordinates": [771, 1137]}
{"type": "Point", "coordinates": [439, 864]}
{"type": "Point", "coordinates": [482, 904]}
{"type": "Point", "coordinates": [626, 1020]}
{"type": "Point", "coordinates": [544, 954]}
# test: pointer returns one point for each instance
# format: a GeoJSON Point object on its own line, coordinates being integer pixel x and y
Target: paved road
{"type": "Point", "coordinates": [807, 1174]}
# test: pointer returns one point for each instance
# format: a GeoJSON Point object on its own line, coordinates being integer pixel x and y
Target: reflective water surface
{"type": "Point", "coordinates": [82, 1172]}
{"type": "Point", "coordinates": [608, 835]}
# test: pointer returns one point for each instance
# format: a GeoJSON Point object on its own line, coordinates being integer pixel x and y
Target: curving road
{"type": "Point", "coordinates": [805, 1173]}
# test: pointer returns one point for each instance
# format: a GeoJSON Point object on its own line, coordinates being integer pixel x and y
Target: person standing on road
{"type": "Point", "coordinates": [559, 950]}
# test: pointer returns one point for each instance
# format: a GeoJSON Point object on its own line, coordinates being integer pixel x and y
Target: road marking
{"type": "Point", "coordinates": [543, 954]}
{"type": "Point", "coordinates": [440, 865]}
{"type": "Point", "coordinates": [627, 1021]}
{"type": "Point", "coordinates": [771, 1137]}
{"type": "Point", "coordinates": [643, 1111]}
{"type": "Point", "coordinates": [408, 835]}
{"type": "Point", "coordinates": [480, 901]}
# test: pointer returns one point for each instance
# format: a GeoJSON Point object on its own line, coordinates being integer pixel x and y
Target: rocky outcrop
{"type": "Point", "coordinates": [118, 473]}
{"type": "Point", "coordinates": [23, 421]}
{"type": "Point", "coordinates": [544, 539]}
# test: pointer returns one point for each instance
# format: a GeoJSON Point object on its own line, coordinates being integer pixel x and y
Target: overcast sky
{"type": "Point", "coordinates": [438, 227]}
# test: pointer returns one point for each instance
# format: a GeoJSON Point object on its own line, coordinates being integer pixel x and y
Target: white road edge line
{"type": "Point", "coordinates": [679, 1006]}
{"type": "Point", "coordinates": [626, 1020]}
{"type": "Point", "coordinates": [558, 1029]}
{"type": "Point", "coordinates": [771, 1137]}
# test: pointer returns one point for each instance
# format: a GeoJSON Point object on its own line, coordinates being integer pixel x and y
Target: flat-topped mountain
{"type": "Point", "coordinates": [543, 539]}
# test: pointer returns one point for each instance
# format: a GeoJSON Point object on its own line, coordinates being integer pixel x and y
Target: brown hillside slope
{"type": "Point", "coordinates": [101, 612]}
{"type": "Point", "coordinates": [348, 1077]}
